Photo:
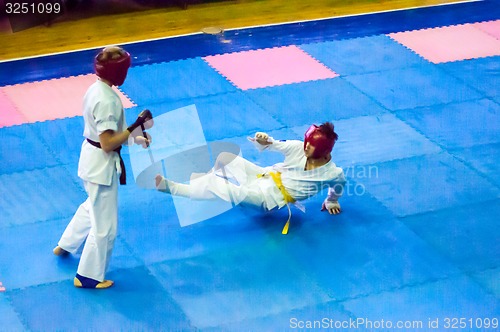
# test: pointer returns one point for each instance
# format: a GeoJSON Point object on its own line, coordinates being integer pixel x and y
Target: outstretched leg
{"type": "Point", "coordinates": [228, 180]}
{"type": "Point", "coordinates": [171, 187]}
{"type": "Point", "coordinates": [161, 184]}
{"type": "Point", "coordinates": [236, 169]}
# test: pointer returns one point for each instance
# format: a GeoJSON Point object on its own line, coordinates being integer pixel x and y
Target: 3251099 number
{"type": "Point", "coordinates": [19, 8]}
{"type": "Point", "coordinates": [471, 323]}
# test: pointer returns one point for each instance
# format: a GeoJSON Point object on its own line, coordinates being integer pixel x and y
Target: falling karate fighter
{"type": "Point", "coordinates": [306, 170]}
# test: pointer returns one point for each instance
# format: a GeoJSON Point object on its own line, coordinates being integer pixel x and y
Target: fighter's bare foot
{"type": "Point", "coordinates": [161, 184]}
{"type": "Point", "coordinates": [101, 285]}
{"type": "Point", "coordinates": [58, 251]}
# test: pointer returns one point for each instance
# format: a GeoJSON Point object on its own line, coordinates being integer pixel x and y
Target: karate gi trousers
{"type": "Point", "coordinates": [95, 221]}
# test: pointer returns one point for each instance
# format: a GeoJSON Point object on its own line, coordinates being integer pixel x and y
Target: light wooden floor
{"type": "Point", "coordinates": [70, 33]}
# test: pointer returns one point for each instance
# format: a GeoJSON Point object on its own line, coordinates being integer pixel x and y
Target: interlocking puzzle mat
{"type": "Point", "coordinates": [414, 98]}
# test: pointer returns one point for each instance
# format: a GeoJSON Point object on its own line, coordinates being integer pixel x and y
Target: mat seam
{"type": "Point", "coordinates": [473, 276]}
{"type": "Point", "coordinates": [445, 149]}
{"type": "Point", "coordinates": [15, 108]}
{"type": "Point", "coordinates": [19, 316]}
{"type": "Point", "coordinates": [472, 25]}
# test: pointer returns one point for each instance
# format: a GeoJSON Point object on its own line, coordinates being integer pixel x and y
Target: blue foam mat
{"type": "Point", "coordinates": [173, 81]}
{"type": "Point", "coordinates": [10, 318]}
{"type": "Point", "coordinates": [43, 266]}
{"type": "Point", "coordinates": [409, 87]}
{"type": "Point", "coordinates": [266, 290]}
{"type": "Point", "coordinates": [161, 237]}
{"type": "Point", "coordinates": [316, 101]}
{"type": "Point", "coordinates": [466, 234]}
{"type": "Point", "coordinates": [350, 269]}
{"type": "Point", "coordinates": [483, 158]}
{"type": "Point", "coordinates": [297, 319]}
{"type": "Point", "coordinates": [63, 137]}
{"type": "Point", "coordinates": [363, 55]}
{"type": "Point", "coordinates": [16, 154]}
{"type": "Point", "coordinates": [122, 306]}
{"type": "Point", "coordinates": [457, 125]}
{"type": "Point", "coordinates": [39, 195]}
{"type": "Point", "coordinates": [488, 279]}
{"type": "Point", "coordinates": [482, 74]}
{"type": "Point", "coordinates": [427, 183]}
{"type": "Point", "coordinates": [458, 297]}
{"type": "Point", "coordinates": [237, 113]}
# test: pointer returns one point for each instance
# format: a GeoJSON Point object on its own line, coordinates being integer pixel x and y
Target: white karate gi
{"type": "Point", "coordinates": [238, 182]}
{"type": "Point", "coordinates": [97, 218]}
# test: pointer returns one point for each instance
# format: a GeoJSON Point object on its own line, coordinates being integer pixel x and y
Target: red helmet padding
{"type": "Point", "coordinates": [322, 144]}
{"type": "Point", "coordinates": [114, 71]}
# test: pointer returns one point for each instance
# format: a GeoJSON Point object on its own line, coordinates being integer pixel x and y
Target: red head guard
{"type": "Point", "coordinates": [322, 144]}
{"type": "Point", "coordinates": [113, 70]}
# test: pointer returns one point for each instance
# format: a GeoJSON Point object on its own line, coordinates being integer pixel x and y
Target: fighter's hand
{"type": "Point", "coordinates": [144, 141]}
{"type": "Point", "coordinates": [331, 207]}
{"type": "Point", "coordinates": [262, 138]}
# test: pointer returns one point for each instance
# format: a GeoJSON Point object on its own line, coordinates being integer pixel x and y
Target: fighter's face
{"type": "Point", "coordinates": [309, 150]}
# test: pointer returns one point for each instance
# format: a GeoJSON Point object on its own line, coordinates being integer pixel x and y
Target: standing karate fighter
{"type": "Point", "coordinates": [306, 170]}
{"type": "Point", "coordinates": [100, 165]}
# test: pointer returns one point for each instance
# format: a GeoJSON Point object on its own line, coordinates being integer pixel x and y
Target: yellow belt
{"type": "Point", "coordinates": [276, 176]}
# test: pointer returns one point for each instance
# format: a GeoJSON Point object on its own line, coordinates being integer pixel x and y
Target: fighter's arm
{"type": "Point", "coordinates": [331, 203]}
{"type": "Point", "coordinates": [111, 139]}
{"type": "Point", "coordinates": [263, 141]}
